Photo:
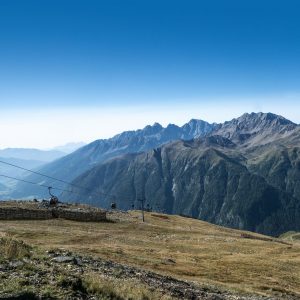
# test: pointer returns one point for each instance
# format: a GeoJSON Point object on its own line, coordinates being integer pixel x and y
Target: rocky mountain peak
{"type": "Point", "coordinates": [264, 118]}
{"type": "Point", "coordinates": [157, 125]}
{"type": "Point", "coordinates": [254, 129]}
{"type": "Point", "coordinates": [197, 128]}
{"type": "Point", "coordinates": [255, 124]}
{"type": "Point", "coordinates": [154, 129]}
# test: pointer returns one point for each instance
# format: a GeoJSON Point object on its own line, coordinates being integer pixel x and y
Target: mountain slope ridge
{"type": "Point", "coordinates": [231, 175]}
{"type": "Point", "coordinates": [74, 164]}
{"type": "Point", "coordinates": [204, 183]}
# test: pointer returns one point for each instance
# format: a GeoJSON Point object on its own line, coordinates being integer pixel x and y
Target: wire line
{"type": "Point", "coordinates": [38, 173]}
{"type": "Point", "coordinates": [39, 184]}
{"type": "Point", "coordinates": [50, 177]}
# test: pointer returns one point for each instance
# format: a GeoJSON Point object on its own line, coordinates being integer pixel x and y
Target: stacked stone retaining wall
{"type": "Point", "coordinates": [17, 213]}
{"type": "Point", "coordinates": [84, 216]}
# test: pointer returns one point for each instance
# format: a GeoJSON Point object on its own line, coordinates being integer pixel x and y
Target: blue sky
{"type": "Point", "coordinates": [133, 62]}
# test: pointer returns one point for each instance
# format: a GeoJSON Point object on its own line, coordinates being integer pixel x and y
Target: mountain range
{"type": "Point", "coordinates": [30, 159]}
{"type": "Point", "coordinates": [85, 158]}
{"type": "Point", "coordinates": [69, 147]}
{"type": "Point", "coordinates": [244, 173]}
{"type": "Point", "coordinates": [31, 154]}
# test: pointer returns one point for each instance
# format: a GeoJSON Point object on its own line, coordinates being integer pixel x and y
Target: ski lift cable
{"type": "Point", "coordinates": [38, 173]}
{"type": "Point", "coordinates": [39, 184]}
{"type": "Point", "coordinates": [46, 186]}
{"type": "Point", "coordinates": [57, 179]}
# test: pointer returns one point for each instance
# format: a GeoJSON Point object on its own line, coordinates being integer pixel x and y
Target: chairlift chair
{"type": "Point", "coordinates": [53, 199]}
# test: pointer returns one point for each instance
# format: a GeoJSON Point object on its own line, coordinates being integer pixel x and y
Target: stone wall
{"type": "Point", "coordinates": [80, 215]}
{"type": "Point", "coordinates": [17, 213]}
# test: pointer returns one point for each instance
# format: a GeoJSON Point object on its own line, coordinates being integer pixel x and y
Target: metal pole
{"type": "Point", "coordinates": [143, 210]}
{"type": "Point", "coordinates": [143, 214]}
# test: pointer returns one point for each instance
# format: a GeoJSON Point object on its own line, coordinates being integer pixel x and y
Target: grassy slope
{"type": "Point", "coordinates": [291, 236]}
{"type": "Point", "coordinates": [181, 247]}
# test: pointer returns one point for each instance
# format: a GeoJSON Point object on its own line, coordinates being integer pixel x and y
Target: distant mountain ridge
{"type": "Point", "coordinates": [74, 164]}
{"type": "Point", "coordinates": [244, 173]}
{"type": "Point", "coordinates": [204, 180]}
{"type": "Point", "coordinates": [31, 154]}
{"type": "Point", "coordinates": [255, 128]}
{"type": "Point", "coordinates": [69, 147]}
{"type": "Point", "coordinates": [9, 184]}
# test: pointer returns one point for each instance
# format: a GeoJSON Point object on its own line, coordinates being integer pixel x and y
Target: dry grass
{"type": "Point", "coordinates": [291, 236]}
{"type": "Point", "coordinates": [120, 289]}
{"type": "Point", "coordinates": [13, 249]}
{"type": "Point", "coordinates": [177, 246]}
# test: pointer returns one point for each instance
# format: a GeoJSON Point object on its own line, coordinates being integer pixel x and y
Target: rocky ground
{"type": "Point", "coordinates": [166, 257]}
{"type": "Point", "coordinates": [61, 274]}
